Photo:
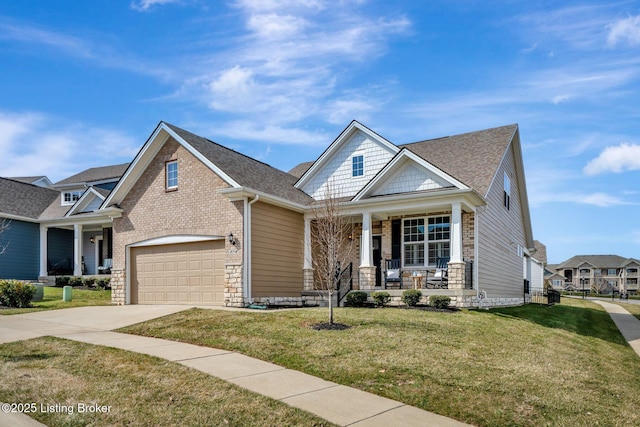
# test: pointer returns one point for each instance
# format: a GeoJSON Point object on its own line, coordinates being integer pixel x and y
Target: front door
{"type": "Point", "coordinates": [377, 258]}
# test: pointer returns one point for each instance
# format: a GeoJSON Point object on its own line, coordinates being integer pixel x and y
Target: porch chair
{"type": "Point", "coordinates": [105, 268]}
{"type": "Point", "coordinates": [440, 278]}
{"type": "Point", "coordinates": [392, 272]}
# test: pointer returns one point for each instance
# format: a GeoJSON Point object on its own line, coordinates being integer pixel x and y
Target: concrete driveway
{"type": "Point", "coordinates": [19, 327]}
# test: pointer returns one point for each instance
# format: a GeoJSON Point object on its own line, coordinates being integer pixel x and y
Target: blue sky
{"type": "Point", "coordinates": [84, 84]}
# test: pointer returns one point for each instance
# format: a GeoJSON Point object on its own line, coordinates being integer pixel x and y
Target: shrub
{"type": "Point", "coordinates": [62, 281]}
{"type": "Point", "coordinates": [411, 297]}
{"type": "Point", "coordinates": [104, 283]}
{"type": "Point", "coordinates": [381, 298]}
{"type": "Point", "coordinates": [14, 293]}
{"type": "Point", "coordinates": [89, 282]}
{"type": "Point", "coordinates": [75, 281]}
{"type": "Point", "coordinates": [439, 301]}
{"type": "Point", "coordinates": [356, 299]}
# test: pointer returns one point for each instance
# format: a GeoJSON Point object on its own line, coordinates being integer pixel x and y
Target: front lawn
{"type": "Point", "coordinates": [527, 366]}
{"type": "Point", "coordinates": [130, 389]}
{"type": "Point", "coordinates": [53, 300]}
{"type": "Point", "coordinates": [631, 308]}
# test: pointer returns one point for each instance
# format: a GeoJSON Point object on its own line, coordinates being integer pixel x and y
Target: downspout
{"type": "Point", "coordinates": [246, 253]}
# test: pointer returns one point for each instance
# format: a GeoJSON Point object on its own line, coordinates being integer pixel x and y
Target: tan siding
{"type": "Point", "coordinates": [500, 271]}
{"type": "Point", "coordinates": [276, 251]}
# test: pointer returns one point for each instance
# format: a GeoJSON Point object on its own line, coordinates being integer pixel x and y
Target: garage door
{"type": "Point", "coordinates": [184, 273]}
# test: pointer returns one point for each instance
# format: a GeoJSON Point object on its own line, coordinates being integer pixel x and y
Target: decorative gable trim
{"type": "Point", "coordinates": [147, 153]}
{"type": "Point", "coordinates": [344, 136]}
{"type": "Point", "coordinates": [85, 200]}
{"type": "Point", "coordinates": [396, 164]}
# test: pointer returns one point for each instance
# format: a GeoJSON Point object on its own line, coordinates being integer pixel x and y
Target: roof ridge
{"type": "Point", "coordinates": [458, 135]}
{"type": "Point", "coordinates": [222, 146]}
{"type": "Point", "coordinates": [29, 184]}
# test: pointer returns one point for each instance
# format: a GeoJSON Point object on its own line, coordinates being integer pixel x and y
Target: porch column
{"type": "Point", "coordinates": [308, 256]}
{"type": "Point", "coordinates": [44, 231]}
{"type": "Point", "coordinates": [77, 250]}
{"type": "Point", "coordinates": [456, 232]}
{"type": "Point", "coordinates": [366, 256]}
{"type": "Point", "coordinates": [308, 260]}
{"type": "Point", "coordinates": [456, 270]}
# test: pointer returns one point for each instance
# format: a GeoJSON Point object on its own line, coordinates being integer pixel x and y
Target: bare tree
{"type": "Point", "coordinates": [4, 226]}
{"type": "Point", "coordinates": [331, 237]}
{"type": "Point", "coordinates": [599, 285]}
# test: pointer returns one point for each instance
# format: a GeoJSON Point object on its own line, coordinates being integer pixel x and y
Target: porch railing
{"type": "Point", "coordinates": [344, 282]}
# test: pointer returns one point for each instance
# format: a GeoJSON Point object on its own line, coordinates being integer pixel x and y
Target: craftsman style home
{"type": "Point", "coordinates": [192, 222]}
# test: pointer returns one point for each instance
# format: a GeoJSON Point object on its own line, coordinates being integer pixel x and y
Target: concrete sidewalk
{"type": "Point", "coordinates": [339, 404]}
{"type": "Point", "coordinates": [626, 322]}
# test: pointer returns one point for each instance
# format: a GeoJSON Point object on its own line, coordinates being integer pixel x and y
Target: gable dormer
{"type": "Point", "coordinates": [350, 162]}
{"type": "Point", "coordinates": [408, 173]}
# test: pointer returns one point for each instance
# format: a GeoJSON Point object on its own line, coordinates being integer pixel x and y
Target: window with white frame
{"type": "Point", "coordinates": [507, 191]}
{"type": "Point", "coordinates": [611, 272]}
{"type": "Point", "coordinates": [357, 165]}
{"type": "Point", "coordinates": [425, 240]}
{"type": "Point", "coordinates": [172, 175]}
{"type": "Point", "coordinates": [70, 197]}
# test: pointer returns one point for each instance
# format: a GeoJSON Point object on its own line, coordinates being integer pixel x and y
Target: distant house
{"type": "Point", "coordinates": [192, 222]}
{"type": "Point", "coordinates": [599, 273]}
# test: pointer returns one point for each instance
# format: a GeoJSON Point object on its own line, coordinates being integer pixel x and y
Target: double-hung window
{"type": "Point", "coordinates": [70, 197]}
{"type": "Point", "coordinates": [425, 240]}
{"type": "Point", "coordinates": [172, 175]}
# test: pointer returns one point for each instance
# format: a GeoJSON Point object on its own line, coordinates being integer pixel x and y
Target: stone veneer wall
{"type": "Point", "coordinates": [233, 292]}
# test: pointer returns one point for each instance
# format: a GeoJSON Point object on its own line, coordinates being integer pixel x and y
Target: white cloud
{"type": "Point", "coordinates": [274, 26]}
{"type": "Point", "coordinates": [36, 144]}
{"type": "Point", "coordinates": [144, 5]}
{"type": "Point", "coordinates": [625, 30]}
{"type": "Point", "coordinates": [25, 33]}
{"type": "Point", "coordinates": [600, 199]}
{"type": "Point", "coordinates": [624, 157]}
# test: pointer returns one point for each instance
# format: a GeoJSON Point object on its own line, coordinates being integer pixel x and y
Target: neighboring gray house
{"type": "Point", "coordinates": [599, 273]}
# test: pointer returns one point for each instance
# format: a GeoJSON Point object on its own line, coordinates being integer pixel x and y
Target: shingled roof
{"type": "Point", "coordinates": [472, 158]}
{"type": "Point", "coordinates": [246, 171]}
{"type": "Point", "coordinates": [25, 200]}
{"type": "Point", "coordinates": [102, 173]}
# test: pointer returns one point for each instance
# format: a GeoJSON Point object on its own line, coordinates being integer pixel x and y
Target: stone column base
{"type": "Point", "coordinates": [456, 274]}
{"type": "Point", "coordinates": [233, 292]}
{"type": "Point", "coordinates": [118, 287]}
{"type": "Point", "coordinates": [308, 279]}
{"type": "Point", "coordinates": [367, 278]}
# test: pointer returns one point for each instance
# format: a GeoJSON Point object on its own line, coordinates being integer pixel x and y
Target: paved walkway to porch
{"type": "Point", "coordinates": [626, 322]}
{"type": "Point", "coordinates": [339, 404]}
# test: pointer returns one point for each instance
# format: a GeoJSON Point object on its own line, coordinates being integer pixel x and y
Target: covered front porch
{"type": "Point", "coordinates": [410, 244]}
{"type": "Point", "coordinates": [81, 245]}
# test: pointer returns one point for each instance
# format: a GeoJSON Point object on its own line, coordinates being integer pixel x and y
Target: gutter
{"type": "Point", "coordinates": [246, 253]}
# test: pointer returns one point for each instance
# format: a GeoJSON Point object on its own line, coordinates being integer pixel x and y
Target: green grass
{"type": "Point", "coordinates": [53, 300]}
{"type": "Point", "coordinates": [565, 365]}
{"type": "Point", "coordinates": [141, 390]}
{"type": "Point", "coordinates": [631, 308]}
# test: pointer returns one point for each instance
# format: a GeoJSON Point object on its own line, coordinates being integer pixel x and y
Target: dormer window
{"type": "Point", "coordinates": [172, 175]}
{"type": "Point", "coordinates": [70, 197]}
{"type": "Point", "coordinates": [357, 165]}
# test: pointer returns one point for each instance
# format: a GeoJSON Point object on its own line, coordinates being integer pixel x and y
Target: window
{"type": "Point", "coordinates": [422, 246]}
{"type": "Point", "coordinates": [632, 270]}
{"type": "Point", "coordinates": [172, 175]}
{"type": "Point", "coordinates": [611, 272]}
{"type": "Point", "coordinates": [357, 165]}
{"type": "Point", "coordinates": [597, 272]}
{"type": "Point", "coordinates": [70, 197]}
{"type": "Point", "coordinates": [507, 191]}
{"type": "Point", "coordinates": [585, 271]}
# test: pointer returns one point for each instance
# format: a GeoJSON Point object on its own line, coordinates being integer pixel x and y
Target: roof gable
{"type": "Point", "coordinates": [407, 173]}
{"type": "Point", "coordinates": [473, 158]}
{"type": "Point", "coordinates": [335, 164]}
{"type": "Point", "coordinates": [234, 168]}
{"type": "Point", "coordinates": [89, 201]}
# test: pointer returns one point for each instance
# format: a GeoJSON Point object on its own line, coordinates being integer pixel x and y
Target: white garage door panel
{"type": "Point", "coordinates": [184, 273]}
